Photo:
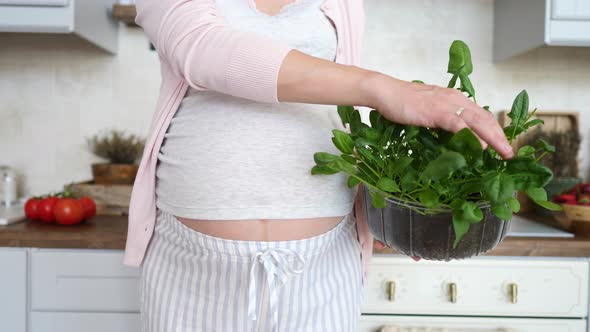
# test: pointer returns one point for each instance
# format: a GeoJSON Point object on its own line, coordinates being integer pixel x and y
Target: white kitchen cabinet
{"type": "Point", "coordinates": [90, 20]}
{"type": "Point", "coordinates": [471, 324]}
{"type": "Point", "coordinates": [483, 286]}
{"type": "Point", "coordinates": [87, 280]}
{"type": "Point", "coordinates": [84, 321]}
{"type": "Point", "coordinates": [521, 25]}
{"type": "Point", "coordinates": [570, 10]}
{"type": "Point", "coordinates": [86, 290]}
{"type": "Point", "coordinates": [13, 289]}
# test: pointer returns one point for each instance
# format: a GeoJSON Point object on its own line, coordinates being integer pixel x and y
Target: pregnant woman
{"type": "Point", "coordinates": [231, 229]}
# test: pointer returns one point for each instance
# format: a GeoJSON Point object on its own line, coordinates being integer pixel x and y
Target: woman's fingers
{"type": "Point", "coordinates": [487, 128]}
{"type": "Point", "coordinates": [433, 106]}
{"type": "Point", "coordinates": [448, 120]}
{"type": "Point", "coordinates": [455, 109]}
{"type": "Point", "coordinates": [482, 122]}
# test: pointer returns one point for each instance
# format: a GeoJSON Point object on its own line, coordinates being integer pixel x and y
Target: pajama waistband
{"type": "Point", "coordinates": [201, 242]}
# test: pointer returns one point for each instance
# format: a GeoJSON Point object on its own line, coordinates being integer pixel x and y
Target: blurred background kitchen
{"type": "Point", "coordinates": [57, 89]}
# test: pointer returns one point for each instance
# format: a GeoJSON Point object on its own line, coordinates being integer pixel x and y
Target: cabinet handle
{"type": "Point", "coordinates": [453, 292]}
{"type": "Point", "coordinates": [513, 292]}
{"type": "Point", "coordinates": [391, 290]}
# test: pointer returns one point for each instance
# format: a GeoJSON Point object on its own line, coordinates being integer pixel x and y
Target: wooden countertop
{"type": "Point", "coordinates": [100, 232]}
{"type": "Point", "coordinates": [108, 232]}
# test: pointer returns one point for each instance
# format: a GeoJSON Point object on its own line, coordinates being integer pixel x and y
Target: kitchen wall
{"type": "Point", "coordinates": [55, 91]}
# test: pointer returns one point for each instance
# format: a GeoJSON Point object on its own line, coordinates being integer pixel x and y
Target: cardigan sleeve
{"type": "Point", "coordinates": [199, 46]}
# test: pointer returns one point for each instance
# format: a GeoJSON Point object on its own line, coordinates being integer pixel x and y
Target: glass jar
{"type": "Point", "coordinates": [8, 187]}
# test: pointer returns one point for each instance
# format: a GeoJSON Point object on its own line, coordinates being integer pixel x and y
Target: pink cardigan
{"type": "Point", "coordinates": [198, 49]}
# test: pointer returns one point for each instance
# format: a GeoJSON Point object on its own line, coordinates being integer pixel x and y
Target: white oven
{"type": "Point", "coordinates": [483, 294]}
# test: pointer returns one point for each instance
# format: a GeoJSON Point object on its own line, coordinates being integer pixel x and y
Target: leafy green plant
{"type": "Point", "coordinates": [434, 171]}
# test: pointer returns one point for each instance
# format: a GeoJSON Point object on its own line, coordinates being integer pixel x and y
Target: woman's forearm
{"type": "Point", "coordinates": [307, 79]}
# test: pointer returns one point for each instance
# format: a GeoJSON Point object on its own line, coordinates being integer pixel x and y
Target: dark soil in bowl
{"type": "Point", "coordinates": [431, 237]}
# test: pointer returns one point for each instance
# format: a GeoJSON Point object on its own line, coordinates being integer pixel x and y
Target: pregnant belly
{"type": "Point", "coordinates": [263, 229]}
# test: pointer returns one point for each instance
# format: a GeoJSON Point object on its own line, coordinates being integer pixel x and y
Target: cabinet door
{"type": "Point", "coordinates": [568, 23]}
{"type": "Point", "coordinates": [84, 322]}
{"type": "Point", "coordinates": [13, 289]}
{"type": "Point", "coordinates": [469, 324]}
{"type": "Point", "coordinates": [571, 10]}
{"type": "Point", "coordinates": [83, 280]}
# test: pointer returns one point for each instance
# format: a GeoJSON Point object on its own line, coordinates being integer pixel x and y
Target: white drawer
{"type": "Point", "coordinates": [568, 33]}
{"type": "Point", "coordinates": [570, 10]}
{"type": "Point", "coordinates": [84, 321]}
{"type": "Point", "coordinates": [44, 3]}
{"type": "Point", "coordinates": [83, 280]}
{"type": "Point", "coordinates": [56, 18]}
{"type": "Point", "coordinates": [545, 287]}
{"type": "Point", "coordinates": [472, 324]}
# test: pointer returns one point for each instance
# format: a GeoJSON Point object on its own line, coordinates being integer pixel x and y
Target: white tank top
{"type": "Point", "coordinates": [226, 158]}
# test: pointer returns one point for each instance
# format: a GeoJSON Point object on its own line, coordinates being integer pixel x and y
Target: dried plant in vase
{"type": "Point", "coordinates": [563, 162]}
{"type": "Point", "coordinates": [121, 150]}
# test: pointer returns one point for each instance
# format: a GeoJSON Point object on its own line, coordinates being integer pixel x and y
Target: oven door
{"type": "Point", "coordinates": [382, 323]}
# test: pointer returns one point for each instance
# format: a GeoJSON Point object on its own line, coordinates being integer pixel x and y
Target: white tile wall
{"type": "Point", "coordinates": [54, 90]}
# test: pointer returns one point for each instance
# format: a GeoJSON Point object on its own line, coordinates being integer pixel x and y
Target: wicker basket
{"type": "Point", "coordinates": [575, 219]}
{"type": "Point", "coordinates": [577, 212]}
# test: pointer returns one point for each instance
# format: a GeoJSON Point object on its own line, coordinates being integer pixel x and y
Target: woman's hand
{"type": "Point", "coordinates": [435, 107]}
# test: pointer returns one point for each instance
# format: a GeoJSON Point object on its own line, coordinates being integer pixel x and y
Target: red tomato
{"type": "Point", "coordinates": [89, 207]}
{"type": "Point", "coordinates": [579, 188]}
{"type": "Point", "coordinates": [45, 208]}
{"type": "Point", "coordinates": [564, 198]}
{"type": "Point", "coordinates": [32, 208]}
{"type": "Point", "coordinates": [68, 211]}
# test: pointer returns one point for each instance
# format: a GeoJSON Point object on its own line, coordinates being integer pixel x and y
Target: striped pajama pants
{"type": "Point", "coordinates": [195, 282]}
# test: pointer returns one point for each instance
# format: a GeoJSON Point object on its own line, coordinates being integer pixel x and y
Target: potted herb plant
{"type": "Point", "coordinates": [434, 194]}
{"type": "Point", "coordinates": [121, 150]}
{"type": "Point", "coordinates": [563, 163]}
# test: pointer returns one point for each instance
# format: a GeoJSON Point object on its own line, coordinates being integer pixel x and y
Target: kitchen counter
{"type": "Point", "coordinates": [110, 232]}
{"type": "Point", "coordinates": [100, 232]}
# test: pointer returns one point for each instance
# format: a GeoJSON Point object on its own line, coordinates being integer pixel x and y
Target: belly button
{"type": "Point", "coordinates": [263, 222]}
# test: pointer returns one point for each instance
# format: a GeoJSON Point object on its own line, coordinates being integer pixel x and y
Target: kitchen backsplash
{"type": "Point", "coordinates": [56, 90]}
